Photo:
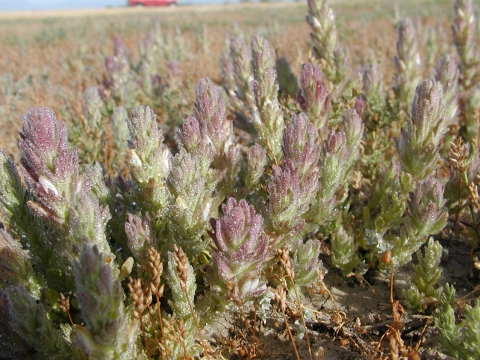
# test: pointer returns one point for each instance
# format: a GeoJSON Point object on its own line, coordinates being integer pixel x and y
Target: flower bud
{"type": "Point", "coordinates": [256, 162]}
{"type": "Point", "coordinates": [447, 73]}
{"type": "Point", "coordinates": [240, 248]}
{"type": "Point", "coordinates": [418, 145]}
{"type": "Point", "coordinates": [313, 97]}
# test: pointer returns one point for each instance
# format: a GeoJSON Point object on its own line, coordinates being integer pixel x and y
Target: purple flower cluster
{"type": "Point", "coordinates": [240, 249]}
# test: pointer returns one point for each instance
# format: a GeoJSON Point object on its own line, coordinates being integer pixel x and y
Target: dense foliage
{"type": "Point", "coordinates": [229, 216]}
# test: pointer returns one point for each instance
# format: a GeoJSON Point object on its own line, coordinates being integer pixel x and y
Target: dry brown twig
{"type": "Point", "coordinates": [182, 335]}
{"type": "Point", "coordinates": [156, 269]}
{"type": "Point", "coordinates": [231, 296]}
{"type": "Point", "coordinates": [397, 348]}
{"type": "Point", "coordinates": [245, 349]}
{"type": "Point", "coordinates": [473, 195]}
{"type": "Point", "coordinates": [175, 331]}
{"type": "Point", "coordinates": [182, 261]}
{"type": "Point", "coordinates": [457, 156]}
{"type": "Point", "coordinates": [279, 296]}
{"type": "Point", "coordinates": [65, 306]}
{"type": "Point", "coordinates": [284, 257]}
{"type": "Point", "coordinates": [142, 297]}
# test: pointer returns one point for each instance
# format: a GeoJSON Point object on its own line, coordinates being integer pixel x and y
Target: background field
{"type": "Point", "coordinates": [50, 58]}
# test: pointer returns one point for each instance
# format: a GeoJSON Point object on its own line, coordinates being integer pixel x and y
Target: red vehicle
{"type": "Point", "coordinates": [152, 2]}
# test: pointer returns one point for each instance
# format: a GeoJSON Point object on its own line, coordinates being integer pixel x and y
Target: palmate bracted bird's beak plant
{"type": "Point", "coordinates": [330, 163]}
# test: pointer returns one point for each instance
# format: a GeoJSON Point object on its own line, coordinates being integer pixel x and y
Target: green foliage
{"type": "Point", "coordinates": [459, 340]}
{"type": "Point", "coordinates": [107, 331]}
{"type": "Point", "coordinates": [427, 275]}
{"type": "Point", "coordinates": [344, 252]}
{"type": "Point", "coordinates": [31, 321]}
{"type": "Point", "coordinates": [181, 279]}
{"type": "Point", "coordinates": [332, 56]}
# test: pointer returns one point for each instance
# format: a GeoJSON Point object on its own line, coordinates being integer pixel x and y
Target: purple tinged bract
{"type": "Point", "coordinates": [313, 96]}
{"type": "Point", "coordinates": [240, 247]}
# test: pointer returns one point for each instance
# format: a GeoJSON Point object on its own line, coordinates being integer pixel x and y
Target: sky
{"type": "Point", "coordinates": [22, 5]}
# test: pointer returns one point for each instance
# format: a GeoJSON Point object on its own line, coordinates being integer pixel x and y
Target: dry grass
{"type": "Point", "coordinates": [54, 56]}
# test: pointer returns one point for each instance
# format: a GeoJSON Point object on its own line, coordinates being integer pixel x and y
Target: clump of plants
{"type": "Point", "coordinates": [270, 171]}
